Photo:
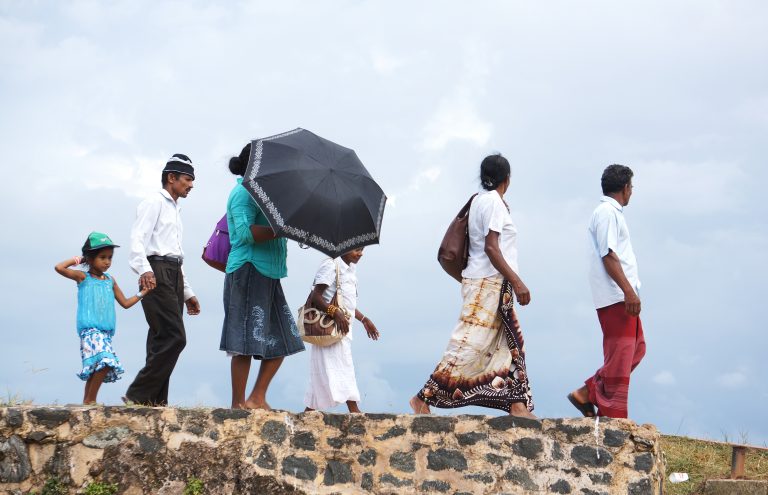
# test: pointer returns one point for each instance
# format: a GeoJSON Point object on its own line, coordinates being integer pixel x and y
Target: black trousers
{"type": "Point", "coordinates": [166, 338]}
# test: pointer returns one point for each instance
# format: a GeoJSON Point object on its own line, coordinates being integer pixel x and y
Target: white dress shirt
{"type": "Point", "coordinates": [157, 232]}
{"type": "Point", "coordinates": [326, 275]}
{"type": "Point", "coordinates": [488, 212]}
{"type": "Point", "coordinates": [608, 231]}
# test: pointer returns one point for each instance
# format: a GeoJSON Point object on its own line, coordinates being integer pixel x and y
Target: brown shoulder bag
{"type": "Point", "coordinates": [454, 250]}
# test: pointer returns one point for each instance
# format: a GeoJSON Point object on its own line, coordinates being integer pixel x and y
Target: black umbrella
{"type": "Point", "coordinates": [315, 192]}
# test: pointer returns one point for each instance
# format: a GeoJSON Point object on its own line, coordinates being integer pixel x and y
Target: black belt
{"type": "Point", "coordinates": [168, 259]}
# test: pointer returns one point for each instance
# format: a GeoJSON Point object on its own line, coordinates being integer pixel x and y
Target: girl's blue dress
{"type": "Point", "coordinates": [96, 326]}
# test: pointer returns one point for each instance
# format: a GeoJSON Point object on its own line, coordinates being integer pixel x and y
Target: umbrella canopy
{"type": "Point", "coordinates": [315, 192]}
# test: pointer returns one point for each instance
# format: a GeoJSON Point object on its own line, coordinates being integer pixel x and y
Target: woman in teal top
{"type": "Point", "coordinates": [258, 323]}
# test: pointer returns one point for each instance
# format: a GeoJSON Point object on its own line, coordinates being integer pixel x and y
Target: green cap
{"type": "Point", "coordinates": [97, 240]}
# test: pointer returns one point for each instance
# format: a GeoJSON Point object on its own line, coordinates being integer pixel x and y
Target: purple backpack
{"type": "Point", "coordinates": [216, 252]}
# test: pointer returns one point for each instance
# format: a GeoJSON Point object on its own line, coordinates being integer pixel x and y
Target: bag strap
{"type": "Point", "coordinates": [463, 212]}
{"type": "Point", "coordinates": [338, 294]}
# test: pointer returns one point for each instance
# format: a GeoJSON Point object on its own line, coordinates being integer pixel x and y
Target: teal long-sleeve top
{"type": "Point", "coordinates": [269, 256]}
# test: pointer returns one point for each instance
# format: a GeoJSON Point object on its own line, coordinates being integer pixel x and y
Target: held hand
{"type": "Point", "coordinates": [78, 260]}
{"type": "Point", "coordinates": [371, 329]}
{"type": "Point", "coordinates": [193, 306]}
{"type": "Point", "coordinates": [632, 304]}
{"type": "Point", "coordinates": [522, 293]}
{"type": "Point", "coordinates": [342, 324]}
{"type": "Point", "coordinates": [147, 281]}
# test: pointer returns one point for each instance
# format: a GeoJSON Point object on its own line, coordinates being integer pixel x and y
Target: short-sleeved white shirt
{"type": "Point", "coordinates": [488, 212]}
{"type": "Point", "coordinates": [608, 231]}
{"type": "Point", "coordinates": [326, 275]}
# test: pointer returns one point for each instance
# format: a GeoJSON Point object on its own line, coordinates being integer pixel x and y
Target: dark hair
{"type": "Point", "coordinates": [494, 169]}
{"type": "Point", "coordinates": [238, 164]}
{"type": "Point", "coordinates": [92, 253]}
{"type": "Point", "coordinates": [164, 177]}
{"type": "Point", "coordinates": [615, 177]}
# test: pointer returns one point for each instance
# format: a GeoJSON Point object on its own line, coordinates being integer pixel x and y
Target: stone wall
{"type": "Point", "coordinates": [159, 450]}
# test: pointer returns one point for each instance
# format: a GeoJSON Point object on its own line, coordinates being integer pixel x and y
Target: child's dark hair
{"type": "Point", "coordinates": [494, 170]}
{"type": "Point", "coordinates": [92, 253]}
{"type": "Point", "coordinates": [238, 164]}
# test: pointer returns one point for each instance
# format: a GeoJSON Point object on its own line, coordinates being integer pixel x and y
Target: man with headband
{"type": "Point", "coordinates": [156, 255]}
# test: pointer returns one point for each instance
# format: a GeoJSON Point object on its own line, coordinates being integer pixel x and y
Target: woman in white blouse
{"type": "Point", "coordinates": [331, 371]}
{"type": "Point", "coordinates": [484, 363]}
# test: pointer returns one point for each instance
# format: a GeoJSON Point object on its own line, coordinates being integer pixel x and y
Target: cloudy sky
{"type": "Point", "coordinates": [95, 96]}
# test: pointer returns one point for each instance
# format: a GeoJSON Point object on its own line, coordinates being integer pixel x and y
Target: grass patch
{"type": "Point", "coordinates": [704, 460]}
{"type": "Point", "coordinates": [12, 400]}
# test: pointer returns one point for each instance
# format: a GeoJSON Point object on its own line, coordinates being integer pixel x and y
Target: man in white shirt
{"type": "Point", "coordinates": [615, 284]}
{"type": "Point", "coordinates": [156, 255]}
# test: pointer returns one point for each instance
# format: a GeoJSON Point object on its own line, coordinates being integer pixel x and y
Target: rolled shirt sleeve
{"type": "Point", "coordinates": [147, 214]}
{"type": "Point", "coordinates": [326, 274]}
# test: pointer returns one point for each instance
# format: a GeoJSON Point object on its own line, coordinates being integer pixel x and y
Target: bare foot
{"type": "Point", "coordinates": [419, 406]}
{"type": "Point", "coordinates": [519, 410]}
{"type": "Point", "coordinates": [257, 405]}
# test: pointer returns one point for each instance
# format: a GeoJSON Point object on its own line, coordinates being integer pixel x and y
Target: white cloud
{"type": "Point", "coordinates": [664, 378]}
{"type": "Point", "coordinates": [734, 379]}
{"type": "Point", "coordinates": [691, 188]}
{"type": "Point", "coordinates": [456, 118]}
{"type": "Point", "coordinates": [385, 63]}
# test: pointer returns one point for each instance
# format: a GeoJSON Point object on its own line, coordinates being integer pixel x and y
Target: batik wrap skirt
{"type": "Point", "coordinates": [484, 363]}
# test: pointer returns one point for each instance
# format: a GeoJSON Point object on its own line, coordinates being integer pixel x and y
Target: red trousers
{"type": "Point", "coordinates": [623, 349]}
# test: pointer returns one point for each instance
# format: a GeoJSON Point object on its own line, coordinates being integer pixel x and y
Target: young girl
{"type": "Point", "coordinates": [332, 373]}
{"type": "Point", "coordinates": [96, 293]}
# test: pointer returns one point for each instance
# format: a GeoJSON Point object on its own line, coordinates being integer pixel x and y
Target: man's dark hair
{"type": "Point", "coordinates": [164, 178]}
{"type": "Point", "coordinates": [615, 177]}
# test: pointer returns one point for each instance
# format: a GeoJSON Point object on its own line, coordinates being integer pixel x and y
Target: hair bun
{"type": "Point", "coordinates": [236, 165]}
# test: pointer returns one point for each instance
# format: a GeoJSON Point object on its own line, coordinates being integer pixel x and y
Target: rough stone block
{"type": "Point", "coordinates": [432, 424]}
{"type": "Point", "coordinates": [736, 487]}
{"type": "Point", "coordinates": [642, 487]}
{"type": "Point", "coordinates": [303, 440]}
{"type": "Point", "coordinates": [435, 486]}
{"type": "Point", "coordinates": [48, 417]}
{"type": "Point", "coordinates": [266, 459]}
{"type": "Point", "coordinates": [367, 457]}
{"type": "Point", "coordinates": [403, 461]}
{"type": "Point", "coordinates": [104, 438]}
{"type": "Point", "coordinates": [530, 448]}
{"type": "Point", "coordinates": [14, 418]}
{"type": "Point", "coordinates": [392, 480]}
{"type": "Point", "coordinates": [299, 467]}
{"type": "Point", "coordinates": [337, 472]}
{"type": "Point", "coordinates": [274, 432]}
{"type": "Point", "coordinates": [14, 460]}
{"type": "Point", "coordinates": [644, 462]}
{"type": "Point", "coordinates": [471, 438]}
{"type": "Point", "coordinates": [507, 422]}
{"type": "Point", "coordinates": [560, 486]}
{"type": "Point", "coordinates": [520, 476]}
{"type": "Point", "coordinates": [441, 459]}
{"type": "Point", "coordinates": [585, 455]}
{"type": "Point", "coordinates": [366, 483]}
{"type": "Point", "coordinates": [614, 438]}
{"type": "Point", "coordinates": [395, 431]}
{"type": "Point", "coordinates": [221, 415]}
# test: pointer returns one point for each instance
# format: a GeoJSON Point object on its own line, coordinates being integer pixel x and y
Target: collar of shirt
{"type": "Point", "coordinates": [167, 195]}
{"type": "Point", "coordinates": [344, 267]}
{"type": "Point", "coordinates": [612, 202]}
